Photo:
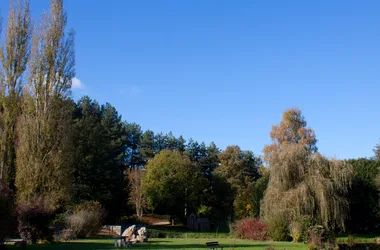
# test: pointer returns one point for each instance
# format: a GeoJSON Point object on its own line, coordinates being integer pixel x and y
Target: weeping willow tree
{"type": "Point", "coordinates": [302, 181]}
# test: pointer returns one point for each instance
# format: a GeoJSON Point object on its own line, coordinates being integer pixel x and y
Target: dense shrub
{"type": "Point", "coordinates": [33, 221]}
{"type": "Point", "coordinates": [85, 219]}
{"type": "Point", "coordinates": [251, 229]}
{"type": "Point", "coordinates": [320, 238]}
{"type": "Point", "coordinates": [5, 210]}
{"type": "Point", "coordinates": [316, 234]}
{"type": "Point", "coordinates": [278, 228]}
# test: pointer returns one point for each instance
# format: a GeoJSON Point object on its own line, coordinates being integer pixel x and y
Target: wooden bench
{"type": "Point", "coordinates": [213, 245]}
{"type": "Point", "coordinates": [19, 243]}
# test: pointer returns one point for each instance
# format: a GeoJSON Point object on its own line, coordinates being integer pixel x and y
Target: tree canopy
{"type": "Point", "coordinates": [64, 152]}
{"type": "Point", "coordinates": [170, 182]}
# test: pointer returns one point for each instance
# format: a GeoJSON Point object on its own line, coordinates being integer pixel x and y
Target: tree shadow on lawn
{"type": "Point", "coordinates": [193, 246]}
{"type": "Point", "coordinates": [71, 245]}
{"type": "Point", "coordinates": [156, 245]}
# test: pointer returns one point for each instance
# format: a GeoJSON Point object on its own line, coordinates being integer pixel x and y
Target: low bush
{"type": "Point", "coordinates": [85, 219]}
{"type": "Point", "coordinates": [320, 238]}
{"type": "Point", "coordinates": [316, 234]}
{"type": "Point", "coordinates": [251, 229]}
{"type": "Point", "coordinates": [278, 228]}
{"type": "Point", "coordinates": [33, 221]}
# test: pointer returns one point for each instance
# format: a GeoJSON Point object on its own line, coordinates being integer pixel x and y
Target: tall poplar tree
{"type": "Point", "coordinates": [43, 158]}
{"type": "Point", "coordinates": [14, 56]}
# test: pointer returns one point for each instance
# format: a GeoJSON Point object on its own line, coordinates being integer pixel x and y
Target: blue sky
{"type": "Point", "coordinates": [224, 71]}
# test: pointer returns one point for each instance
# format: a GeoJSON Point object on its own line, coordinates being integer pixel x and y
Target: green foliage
{"type": "Point", "coordinates": [133, 156]}
{"type": "Point", "coordinates": [247, 200]}
{"type": "Point", "coordinates": [240, 169]}
{"type": "Point", "coordinates": [99, 152]}
{"type": "Point", "coordinates": [14, 57]}
{"type": "Point", "coordinates": [258, 190]}
{"type": "Point", "coordinates": [215, 193]}
{"type": "Point", "coordinates": [171, 181]}
{"type": "Point", "coordinates": [278, 228]}
{"type": "Point", "coordinates": [43, 129]}
{"type": "Point", "coordinates": [220, 198]}
{"type": "Point", "coordinates": [146, 146]}
{"type": "Point", "coordinates": [363, 195]}
{"type": "Point", "coordinates": [243, 203]}
{"type": "Point", "coordinates": [44, 156]}
{"type": "Point", "coordinates": [67, 153]}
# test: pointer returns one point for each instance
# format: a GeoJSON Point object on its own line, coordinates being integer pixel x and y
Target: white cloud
{"type": "Point", "coordinates": [76, 83]}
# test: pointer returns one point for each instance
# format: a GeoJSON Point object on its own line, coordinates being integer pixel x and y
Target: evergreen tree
{"type": "Point", "coordinates": [133, 156]}
{"type": "Point", "coordinates": [146, 147]}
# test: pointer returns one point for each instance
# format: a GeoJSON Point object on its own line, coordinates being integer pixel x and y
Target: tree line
{"type": "Point", "coordinates": [63, 152]}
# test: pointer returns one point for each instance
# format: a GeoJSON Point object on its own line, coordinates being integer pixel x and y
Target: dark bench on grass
{"type": "Point", "coordinates": [213, 245]}
{"type": "Point", "coordinates": [19, 243]}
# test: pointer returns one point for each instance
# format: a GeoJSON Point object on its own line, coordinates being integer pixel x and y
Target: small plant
{"type": "Point", "coordinates": [85, 219]}
{"type": "Point", "coordinates": [296, 230]}
{"type": "Point", "coordinates": [251, 229]}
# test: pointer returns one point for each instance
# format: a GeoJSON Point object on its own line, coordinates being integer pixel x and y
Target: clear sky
{"type": "Point", "coordinates": [224, 71]}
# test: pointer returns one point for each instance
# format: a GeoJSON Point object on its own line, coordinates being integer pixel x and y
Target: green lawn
{"type": "Point", "coordinates": [161, 244]}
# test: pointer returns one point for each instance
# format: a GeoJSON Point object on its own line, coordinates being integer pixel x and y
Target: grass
{"type": "Point", "coordinates": [187, 244]}
{"type": "Point", "coordinates": [161, 244]}
{"type": "Point", "coordinates": [359, 236]}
